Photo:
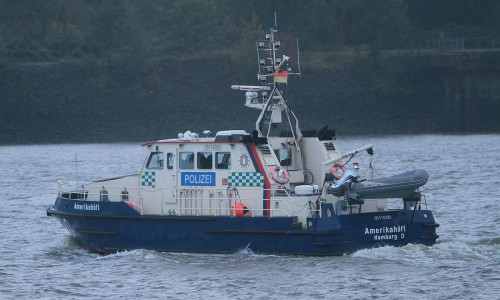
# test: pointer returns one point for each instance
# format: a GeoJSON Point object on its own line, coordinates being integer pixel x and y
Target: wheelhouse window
{"type": "Point", "coordinates": [170, 161]}
{"type": "Point", "coordinates": [186, 160]}
{"type": "Point", "coordinates": [204, 160]}
{"type": "Point", "coordinates": [284, 156]}
{"type": "Point", "coordinates": [155, 160]}
{"type": "Point", "coordinates": [223, 160]}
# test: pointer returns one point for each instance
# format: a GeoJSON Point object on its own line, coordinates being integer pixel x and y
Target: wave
{"type": "Point", "coordinates": [445, 253]}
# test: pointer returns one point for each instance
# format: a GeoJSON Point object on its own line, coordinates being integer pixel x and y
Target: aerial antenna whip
{"type": "Point", "coordinates": [275, 21]}
{"type": "Point", "coordinates": [298, 56]}
{"type": "Point", "coordinates": [76, 161]}
{"type": "Point", "coordinates": [258, 58]}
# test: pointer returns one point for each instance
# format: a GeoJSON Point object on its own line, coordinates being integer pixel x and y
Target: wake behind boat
{"type": "Point", "coordinates": [276, 189]}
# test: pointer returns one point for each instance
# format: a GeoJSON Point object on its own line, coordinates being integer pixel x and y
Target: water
{"type": "Point", "coordinates": [38, 258]}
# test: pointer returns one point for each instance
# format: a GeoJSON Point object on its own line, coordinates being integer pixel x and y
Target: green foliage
{"type": "Point", "coordinates": [133, 32]}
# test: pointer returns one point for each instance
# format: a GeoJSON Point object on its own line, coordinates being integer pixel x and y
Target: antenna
{"type": "Point", "coordinates": [76, 161]}
{"type": "Point", "coordinates": [258, 58]}
{"type": "Point", "coordinates": [275, 21]}
{"type": "Point", "coordinates": [298, 56]}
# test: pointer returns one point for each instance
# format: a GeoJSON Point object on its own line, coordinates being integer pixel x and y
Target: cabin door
{"type": "Point", "coordinates": [158, 183]}
{"type": "Point", "coordinates": [169, 193]}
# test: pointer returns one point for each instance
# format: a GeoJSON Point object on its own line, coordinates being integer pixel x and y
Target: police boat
{"type": "Point", "coordinates": [276, 189]}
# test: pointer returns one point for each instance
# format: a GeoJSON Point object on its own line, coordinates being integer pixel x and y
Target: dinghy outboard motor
{"type": "Point", "coordinates": [339, 187]}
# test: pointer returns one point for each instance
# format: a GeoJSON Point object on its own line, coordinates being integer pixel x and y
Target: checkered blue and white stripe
{"type": "Point", "coordinates": [245, 179]}
{"type": "Point", "coordinates": [148, 178]}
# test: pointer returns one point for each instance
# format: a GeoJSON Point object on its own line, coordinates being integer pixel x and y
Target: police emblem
{"type": "Point", "coordinates": [244, 161]}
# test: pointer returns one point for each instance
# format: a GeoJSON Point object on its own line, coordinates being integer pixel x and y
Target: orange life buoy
{"type": "Point", "coordinates": [337, 170]}
{"type": "Point", "coordinates": [280, 175]}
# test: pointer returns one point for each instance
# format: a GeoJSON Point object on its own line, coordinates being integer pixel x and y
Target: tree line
{"type": "Point", "coordinates": [129, 31]}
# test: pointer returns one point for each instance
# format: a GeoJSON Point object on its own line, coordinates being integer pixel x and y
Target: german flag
{"type": "Point", "coordinates": [280, 76]}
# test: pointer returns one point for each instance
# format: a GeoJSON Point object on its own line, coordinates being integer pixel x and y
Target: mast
{"type": "Point", "coordinates": [273, 72]}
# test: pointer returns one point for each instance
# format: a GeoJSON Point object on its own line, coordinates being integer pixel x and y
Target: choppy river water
{"type": "Point", "coordinates": [39, 259]}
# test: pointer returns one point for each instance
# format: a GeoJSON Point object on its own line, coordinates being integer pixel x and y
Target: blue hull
{"type": "Point", "coordinates": [114, 226]}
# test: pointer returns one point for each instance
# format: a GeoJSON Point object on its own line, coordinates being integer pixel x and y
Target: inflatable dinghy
{"type": "Point", "coordinates": [398, 186]}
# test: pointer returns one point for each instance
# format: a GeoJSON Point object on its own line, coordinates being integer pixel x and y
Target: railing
{"type": "Point", "coordinates": [397, 204]}
{"type": "Point", "coordinates": [193, 202]}
{"type": "Point", "coordinates": [83, 192]}
{"type": "Point", "coordinates": [465, 43]}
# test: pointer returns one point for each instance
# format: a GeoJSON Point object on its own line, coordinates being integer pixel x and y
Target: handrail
{"type": "Point", "coordinates": [425, 201]}
{"type": "Point", "coordinates": [171, 199]}
{"type": "Point", "coordinates": [218, 205]}
{"type": "Point", "coordinates": [81, 192]}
